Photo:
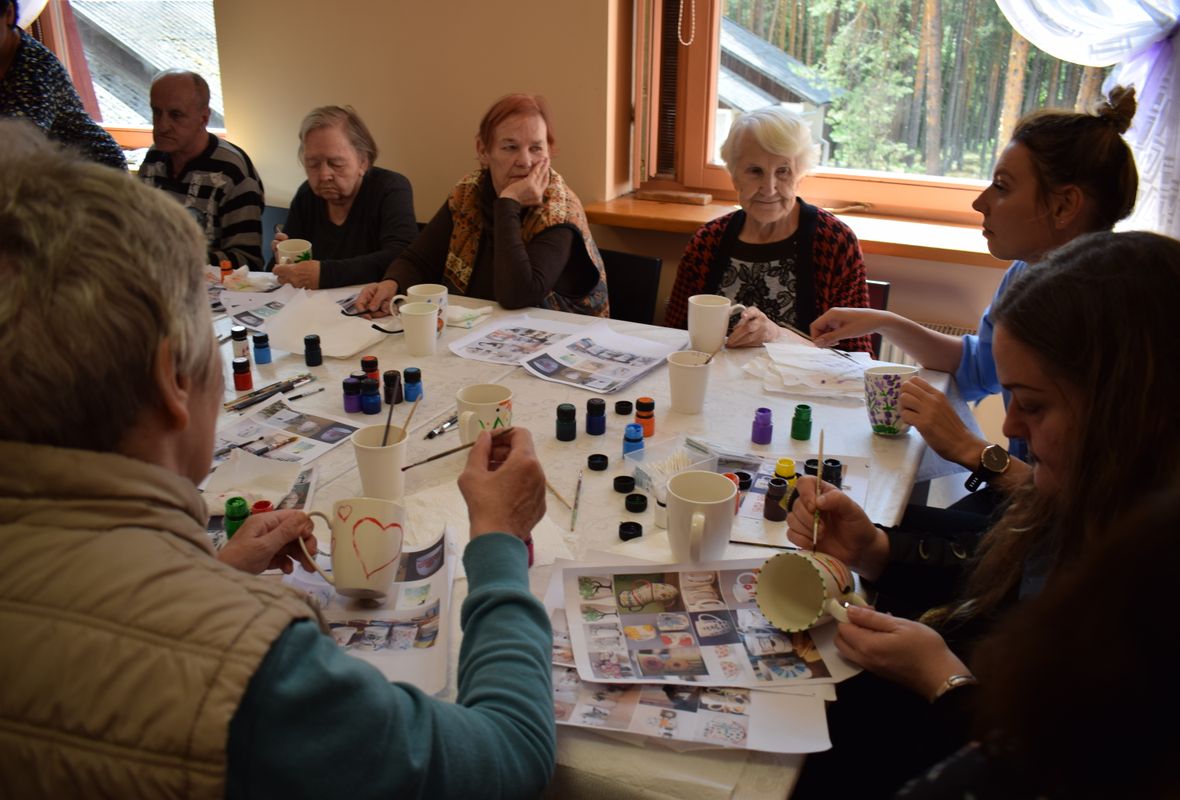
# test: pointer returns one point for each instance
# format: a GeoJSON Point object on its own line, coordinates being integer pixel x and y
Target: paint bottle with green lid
{"type": "Point", "coordinates": [236, 512]}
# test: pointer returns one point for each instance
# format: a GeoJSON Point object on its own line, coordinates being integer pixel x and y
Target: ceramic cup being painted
{"type": "Point", "coordinates": [700, 515]}
{"type": "Point", "coordinates": [292, 251]}
{"type": "Point", "coordinates": [434, 293]}
{"type": "Point", "coordinates": [708, 319]}
{"type": "Point", "coordinates": [688, 378]}
{"type": "Point", "coordinates": [367, 536]}
{"type": "Point", "coordinates": [483, 407]}
{"type": "Point", "coordinates": [798, 590]}
{"type": "Point", "coordinates": [380, 466]}
{"type": "Point", "coordinates": [883, 398]}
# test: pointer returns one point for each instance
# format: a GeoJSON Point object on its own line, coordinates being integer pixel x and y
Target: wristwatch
{"type": "Point", "coordinates": [954, 682]}
{"type": "Point", "coordinates": [993, 462]}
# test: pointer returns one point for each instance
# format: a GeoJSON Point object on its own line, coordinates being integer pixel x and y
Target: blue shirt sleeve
{"type": "Point", "coordinates": [976, 375]}
{"type": "Point", "coordinates": [316, 722]}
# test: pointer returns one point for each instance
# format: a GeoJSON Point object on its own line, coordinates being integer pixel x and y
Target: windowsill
{"type": "Point", "coordinates": [886, 236]}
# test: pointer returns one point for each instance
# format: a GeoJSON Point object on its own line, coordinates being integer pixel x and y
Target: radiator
{"type": "Point", "coordinates": [892, 353]}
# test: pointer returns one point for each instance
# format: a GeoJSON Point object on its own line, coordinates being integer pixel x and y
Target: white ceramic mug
{"type": "Point", "coordinates": [799, 589]}
{"type": "Point", "coordinates": [434, 293]}
{"type": "Point", "coordinates": [420, 321]}
{"type": "Point", "coordinates": [292, 251]}
{"type": "Point", "coordinates": [381, 466]}
{"type": "Point", "coordinates": [688, 377]}
{"type": "Point", "coordinates": [708, 318]}
{"type": "Point", "coordinates": [700, 515]}
{"type": "Point", "coordinates": [483, 407]}
{"type": "Point", "coordinates": [883, 397]}
{"type": "Point", "coordinates": [367, 536]}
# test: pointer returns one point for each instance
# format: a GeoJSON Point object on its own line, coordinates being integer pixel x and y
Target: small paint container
{"type": "Point", "coordinates": [393, 387]}
{"type": "Point", "coordinates": [370, 397]}
{"type": "Point", "coordinates": [352, 396]}
{"type": "Point", "coordinates": [241, 347]}
{"type": "Point", "coordinates": [313, 356]}
{"type": "Point", "coordinates": [261, 348]}
{"type": "Point", "coordinates": [762, 431]}
{"type": "Point", "coordinates": [243, 380]}
{"type": "Point", "coordinates": [567, 422]}
{"type": "Point", "coordinates": [412, 384]}
{"type": "Point", "coordinates": [595, 416]}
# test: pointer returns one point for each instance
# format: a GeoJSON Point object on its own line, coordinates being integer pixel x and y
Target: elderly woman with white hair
{"type": "Point", "coordinates": [357, 216]}
{"type": "Point", "coordinates": [785, 260]}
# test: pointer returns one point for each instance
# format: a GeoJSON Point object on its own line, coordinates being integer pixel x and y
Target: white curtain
{"type": "Point", "coordinates": [1140, 37]}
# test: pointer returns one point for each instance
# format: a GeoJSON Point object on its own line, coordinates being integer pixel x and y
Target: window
{"type": "Point", "coordinates": [859, 71]}
{"type": "Point", "coordinates": [118, 46]}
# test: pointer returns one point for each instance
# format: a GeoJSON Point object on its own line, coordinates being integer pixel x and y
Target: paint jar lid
{"type": "Point", "coordinates": [236, 508]}
{"type": "Point", "coordinates": [369, 386]}
{"type": "Point", "coordinates": [360, 375]}
{"type": "Point", "coordinates": [596, 406]}
{"type": "Point", "coordinates": [241, 366]}
{"type": "Point", "coordinates": [412, 375]}
{"type": "Point", "coordinates": [624, 484]}
{"type": "Point", "coordinates": [261, 339]}
{"type": "Point", "coordinates": [597, 462]}
{"type": "Point", "coordinates": [369, 363]}
{"type": "Point", "coordinates": [352, 386]}
{"type": "Point", "coordinates": [567, 412]}
{"type": "Point", "coordinates": [633, 431]}
{"type": "Point", "coordinates": [636, 503]}
{"type": "Point", "coordinates": [630, 530]}
{"type": "Point", "coordinates": [777, 487]}
{"type": "Point", "coordinates": [238, 332]}
{"type": "Point", "coordinates": [391, 377]}
{"type": "Point", "coordinates": [645, 404]}
{"type": "Point", "coordinates": [811, 467]}
{"type": "Point", "coordinates": [745, 480]}
{"type": "Point", "coordinates": [623, 407]}
{"type": "Point", "coordinates": [311, 341]}
{"type": "Point", "coordinates": [262, 506]}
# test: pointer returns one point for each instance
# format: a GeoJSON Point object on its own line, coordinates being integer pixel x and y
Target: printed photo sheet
{"type": "Point", "coordinates": [512, 339]}
{"type": "Point", "coordinates": [287, 434]}
{"type": "Point", "coordinates": [598, 359]}
{"type": "Point", "coordinates": [405, 637]}
{"type": "Point", "coordinates": [689, 624]}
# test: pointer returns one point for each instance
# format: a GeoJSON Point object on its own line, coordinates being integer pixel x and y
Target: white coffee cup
{"type": "Point", "coordinates": [483, 407]}
{"type": "Point", "coordinates": [688, 376]}
{"type": "Point", "coordinates": [381, 466]}
{"type": "Point", "coordinates": [708, 318]}
{"type": "Point", "coordinates": [367, 536]}
{"type": "Point", "coordinates": [434, 293]}
{"type": "Point", "coordinates": [292, 251]}
{"type": "Point", "coordinates": [700, 515]}
{"type": "Point", "coordinates": [420, 321]}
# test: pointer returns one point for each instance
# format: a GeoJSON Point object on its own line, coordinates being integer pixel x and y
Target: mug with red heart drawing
{"type": "Point", "coordinates": [367, 536]}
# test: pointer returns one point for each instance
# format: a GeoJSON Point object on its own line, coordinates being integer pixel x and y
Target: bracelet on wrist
{"type": "Point", "coordinates": [954, 682]}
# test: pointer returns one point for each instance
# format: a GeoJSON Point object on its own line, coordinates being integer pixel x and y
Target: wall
{"type": "Point", "coordinates": [421, 74]}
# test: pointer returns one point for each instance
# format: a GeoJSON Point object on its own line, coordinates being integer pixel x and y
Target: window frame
{"type": "Point", "coordinates": [901, 195]}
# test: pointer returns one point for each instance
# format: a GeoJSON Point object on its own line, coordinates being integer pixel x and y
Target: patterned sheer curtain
{"type": "Point", "coordinates": [1140, 37]}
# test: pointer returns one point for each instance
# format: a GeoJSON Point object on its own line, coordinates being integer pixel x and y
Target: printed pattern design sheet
{"type": "Point", "coordinates": [406, 636]}
{"type": "Point", "coordinates": [288, 435]}
{"type": "Point", "coordinates": [509, 341]}
{"type": "Point", "coordinates": [689, 624]}
{"type": "Point", "coordinates": [598, 359]}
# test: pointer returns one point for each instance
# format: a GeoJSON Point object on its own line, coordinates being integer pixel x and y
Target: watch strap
{"type": "Point", "coordinates": [954, 682]}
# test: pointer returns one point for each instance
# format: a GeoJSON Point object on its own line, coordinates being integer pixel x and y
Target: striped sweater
{"type": "Point", "coordinates": [222, 191]}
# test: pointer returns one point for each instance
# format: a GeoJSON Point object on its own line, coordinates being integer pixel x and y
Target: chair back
{"type": "Point", "coordinates": [878, 299]}
{"type": "Point", "coordinates": [632, 283]}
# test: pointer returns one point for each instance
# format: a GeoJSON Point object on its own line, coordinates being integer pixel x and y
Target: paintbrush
{"type": "Point", "coordinates": [437, 456]}
{"type": "Point", "coordinates": [798, 332]}
{"type": "Point", "coordinates": [819, 488]}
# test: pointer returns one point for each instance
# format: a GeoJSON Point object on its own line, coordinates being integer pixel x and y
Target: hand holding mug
{"type": "Point", "coordinates": [845, 531]}
{"type": "Point", "coordinates": [270, 541]}
{"type": "Point", "coordinates": [906, 652]}
{"type": "Point", "coordinates": [503, 484]}
{"type": "Point", "coordinates": [274, 244]}
{"type": "Point", "coordinates": [301, 275]}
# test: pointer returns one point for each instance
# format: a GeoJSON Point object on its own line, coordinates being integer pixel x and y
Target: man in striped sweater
{"type": "Point", "coordinates": [212, 178]}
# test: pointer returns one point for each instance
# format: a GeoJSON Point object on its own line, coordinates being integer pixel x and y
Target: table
{"type": "Point", "coordinates": [589, 764]}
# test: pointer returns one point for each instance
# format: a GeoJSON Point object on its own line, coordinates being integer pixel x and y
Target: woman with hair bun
{"type": "Point", "coordinates": [512, 231]}
{"type": "Point", "coordinates": [1062, 174]}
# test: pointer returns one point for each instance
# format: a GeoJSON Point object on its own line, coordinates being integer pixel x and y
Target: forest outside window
{"type": "Point", "coordinates": [912, 134]}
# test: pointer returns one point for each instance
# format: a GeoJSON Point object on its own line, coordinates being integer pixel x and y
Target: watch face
{"type": "Point", "coordinates": [994, 458]}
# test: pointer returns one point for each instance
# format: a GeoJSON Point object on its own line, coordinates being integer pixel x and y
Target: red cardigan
{"type": "Point", "coordinates": [831, 268]}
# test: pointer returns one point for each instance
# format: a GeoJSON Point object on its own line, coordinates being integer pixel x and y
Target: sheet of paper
{"type": "Point", "coordinates": [295, 436]}
{"type": "Point", "coordinates": [319, 313]}
{"type": "Point", "coordinates": [252, 309]}
{"type": "Point", "coordinates": [253, 476]}
{"type": "Point", "coordinates": [682, 717]}
{"type": "Point", "coordinates": [407, 636]}
{"type": "Point", "coordinates": [512, 339]}
{"type": "Point", "coordinates": [598, 359]}
{"type": "Point", "coordinates": [688, 624]}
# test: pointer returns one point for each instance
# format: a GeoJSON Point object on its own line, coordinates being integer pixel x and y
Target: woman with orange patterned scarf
{"type": "Point", "coordinates": [512, 231]}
